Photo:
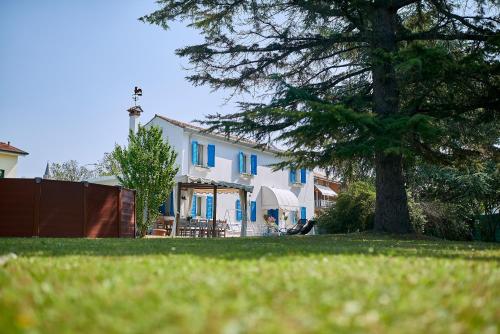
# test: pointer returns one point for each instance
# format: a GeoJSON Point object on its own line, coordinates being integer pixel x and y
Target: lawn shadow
{"type": "Point", "coordinates": [255, 248]}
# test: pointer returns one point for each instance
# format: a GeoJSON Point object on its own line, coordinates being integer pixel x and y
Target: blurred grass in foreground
{"type": "Point", "coordinates": [325, 284]}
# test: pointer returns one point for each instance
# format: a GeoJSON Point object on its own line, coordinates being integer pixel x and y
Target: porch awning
{"type": "Point", "coordinates": [326, 191]}
{"type": "Point", "coordinates": [200, 181]}
{"type": "Point", "coordinates": [275, 198]}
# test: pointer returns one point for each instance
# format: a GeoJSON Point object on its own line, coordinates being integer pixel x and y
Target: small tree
{"type": "Point", "coordinates": [148, 166]}
{"type": "Point", "coordinates": [69, 171]}
{"type": "Point", "coordinates": [107, 166]}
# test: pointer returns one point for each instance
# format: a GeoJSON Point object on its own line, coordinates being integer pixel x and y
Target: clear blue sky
{"type": "Point", "coordinates": [67, 71]}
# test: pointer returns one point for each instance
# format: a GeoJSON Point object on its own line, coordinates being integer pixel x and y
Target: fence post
{"type": "Point", "coordinates": [135, 216]}
{"type": "Point", "coordinates": [36, 204]}
{"type": "Point", "coordinates": [85, 185]}
{"type": "Point", "coordinates": [119, 197]}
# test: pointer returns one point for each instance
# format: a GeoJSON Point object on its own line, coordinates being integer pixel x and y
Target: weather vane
{"type": "Point", "coordinates": [137, 93]}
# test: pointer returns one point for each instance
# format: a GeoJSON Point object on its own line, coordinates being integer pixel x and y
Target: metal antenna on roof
{"type": "Point", "coordinates": [137, 93]}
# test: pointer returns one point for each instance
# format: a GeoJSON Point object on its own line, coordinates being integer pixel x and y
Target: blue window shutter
{"type": "Point", "coordinates": [162, 209]}
{"type": "Point", "coordinates": [238, 210]}
{"type": "Point", "coordinates": [275, 214]}
{"type": "Point", "coordinates": [240, 162]}
{"type": "Point", "coordinates": [253, 164]}
{"type": "Point", "coordinates": [211, 155]}
{"type": "Point", "coordinates": [171, 211]}
{"type": "Point", "coordinates": [194, 152]}
{"type": "Point", "coordinates": [303, 175]}
{"type": "Point", "coordinates": [209, 207]}
{"type": "Point", "coordinates": [303, 214]}
{"type": "Point", "coordinates": [253, 211]}
{"type": "Point", "coordinates": [270, 212]}
{"type": "Point", "coordinates": [193, 207]}
{"type": "Point", "coordinates": [292, 176]}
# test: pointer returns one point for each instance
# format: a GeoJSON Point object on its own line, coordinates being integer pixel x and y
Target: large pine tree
{"type": "Point", "coordinates": [368, 80]}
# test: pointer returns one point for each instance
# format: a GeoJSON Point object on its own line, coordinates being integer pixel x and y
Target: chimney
{"type": "Point", "coordinates": [134, 114]}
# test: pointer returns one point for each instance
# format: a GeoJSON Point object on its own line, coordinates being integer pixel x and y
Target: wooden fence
{"type": "Point", "coordinates": [49, 208]}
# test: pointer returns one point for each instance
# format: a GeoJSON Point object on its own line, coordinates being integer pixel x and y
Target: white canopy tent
{"type": "Point", "coordinates": [326, 191]}
{"type": "Point", "coordinates": [275, 198]}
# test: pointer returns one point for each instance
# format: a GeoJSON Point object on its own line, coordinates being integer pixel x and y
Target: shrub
{"type": "Point", "coordinates": [353, 211]}
{"type": "Point", "coordinates": [443, 221]}
{"type": "Point", "coordinates": [418, 218]}
{"type": "Point", "coordinates": [487, 228]}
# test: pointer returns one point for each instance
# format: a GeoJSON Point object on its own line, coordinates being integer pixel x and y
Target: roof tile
{"type": "Point", "coordinates": [6, 147]}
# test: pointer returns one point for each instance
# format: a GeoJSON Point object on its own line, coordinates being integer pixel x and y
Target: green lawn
{"type": "Point", "coordinates": [326, 284]}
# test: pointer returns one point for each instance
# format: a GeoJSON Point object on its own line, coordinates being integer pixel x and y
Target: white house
{"type": "Point", "coordinates": [8, 159]}
{"type": "Point", "coordinates": [205, 158]}
{"type": "Point", "coordinates": [224, 179]}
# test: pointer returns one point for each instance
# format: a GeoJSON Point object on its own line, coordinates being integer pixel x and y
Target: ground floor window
{"type": "Point", "coordinates": [2, 173]}
{"type": "Point", "coordinates": [198, 205]}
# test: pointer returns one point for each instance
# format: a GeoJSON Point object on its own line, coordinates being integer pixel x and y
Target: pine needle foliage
{"type": "Point", "coordinates": [377, 82]}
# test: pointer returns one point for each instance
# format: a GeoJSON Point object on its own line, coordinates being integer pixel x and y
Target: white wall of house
{"type": "Point", "coordinates": [227, 169]}
{"type": "Point", "coordinates": [8, 163]}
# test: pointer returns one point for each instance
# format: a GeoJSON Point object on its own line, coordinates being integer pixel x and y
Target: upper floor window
{"type": "Point", "coordinates": [298, 176]}
{"type": "Point", "coordinates": [247, 164]}
{"type": "Point", "coordinates": [202, 155]}
{"type": "Point", "coordinates": [201, 158]}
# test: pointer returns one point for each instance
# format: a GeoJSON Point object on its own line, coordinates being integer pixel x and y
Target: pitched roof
{"type": "Point", "coordinates": [7, 147]}
{"type": "Point", "coordinates": [233, 139]}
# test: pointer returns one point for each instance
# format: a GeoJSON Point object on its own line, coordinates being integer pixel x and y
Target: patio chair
{"type": "Point", "coordinates": [296, 229]}
{"type": "Point", "coordinates": [183, 227]}
{"type": "Point", "coordinates": [307, 227]}
{"type": "Point", "coordinates": [221, 228]}
{"type": "Point", "coordinates": [205, 228]}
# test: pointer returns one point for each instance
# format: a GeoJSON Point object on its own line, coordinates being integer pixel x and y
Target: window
{"type": "Point", "coordinates": [2, 173]}
{"type": "Point", "coordinates": [198, 205]}
{"type": "Point", "coordinates": [201, 149]}
{"type": "Point", "coordinates": [202, 155]}
{"type": "Point", "coordinates": [247, 164]}
{"type": "Point", "coordinates": [298, 176]}
{"type": "Point", "coordinates": [244, 170]}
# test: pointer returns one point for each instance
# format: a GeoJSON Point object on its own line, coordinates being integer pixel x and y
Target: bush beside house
{"type": "Point", "coordinates": [355, 209]}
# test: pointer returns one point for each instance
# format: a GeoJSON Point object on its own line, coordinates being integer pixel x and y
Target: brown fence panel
{"type": "Point", "coordinates": [49, 208]}
{"type": "Point", "coordinates": [17, 207]}
{"type": "Point", "coordinates": [61, 209]}
{"type": "Point", "coordinates": [127, 216]}
{"type": "Point", "coordinates": [102, 211]}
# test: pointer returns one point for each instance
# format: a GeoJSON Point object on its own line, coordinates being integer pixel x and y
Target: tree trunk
{"type": "Point", "coordinates": [144, 226]}
{"type": "Point", "coordinates": [391, 209]}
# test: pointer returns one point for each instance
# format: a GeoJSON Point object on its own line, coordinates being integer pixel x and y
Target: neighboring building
{"type": "Point", "coordinates": [326, 191]}
{"type": "Point", "coordinates": [8, 159]}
